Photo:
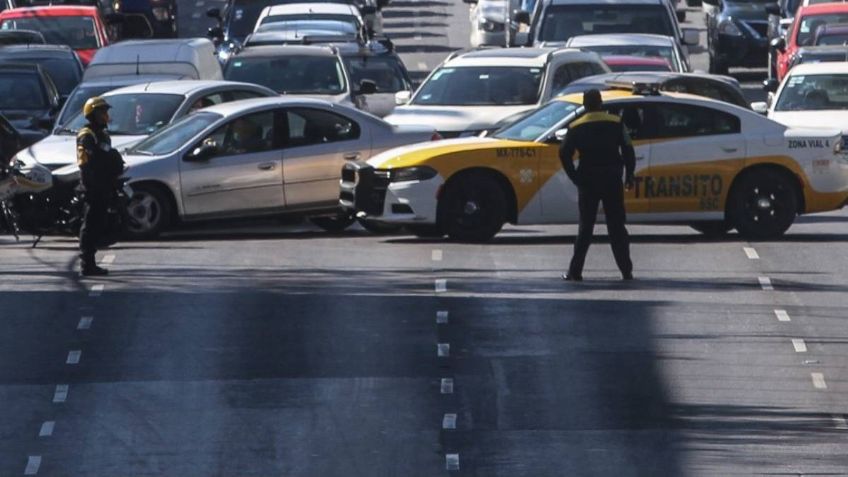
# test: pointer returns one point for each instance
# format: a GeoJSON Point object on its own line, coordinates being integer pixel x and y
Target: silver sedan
{"type": "Point", "coordinates": [255, 157]}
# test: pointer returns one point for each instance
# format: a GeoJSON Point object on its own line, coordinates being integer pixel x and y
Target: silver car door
{"type": "Point", "coordinates": [243, 174]}
{"type": "Point", "coordinates": [318, 144]}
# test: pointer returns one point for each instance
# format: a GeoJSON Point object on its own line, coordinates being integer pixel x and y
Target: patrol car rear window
{"type": "Point", "coordinates": [481, 86]}
{"type": "Point", "coordinates": [562, 22]}
{"type": "Point", "coordinates": [533, 126]}
{"type": "Point", "coordinates": [814, 93]}
{"type": "Point", "coordinates": [290, 74]}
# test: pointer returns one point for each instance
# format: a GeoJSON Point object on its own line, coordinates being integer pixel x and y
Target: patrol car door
{"type": "Point", "coordinates": [638, 121]}
{"type": "Point", "coordinates": [694, 155]}
{"type": "Point", "coordinates": [245, 174]}
{"type": "Point", "coordinates": [317, 145]}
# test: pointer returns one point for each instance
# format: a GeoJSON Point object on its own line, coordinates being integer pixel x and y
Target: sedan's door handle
{"type": "Point", "coordinates": [729, 149]}
{"type": "Point", "coordinates": [267, 166]}
{"type": "Point", "coordinates": [352, 156]}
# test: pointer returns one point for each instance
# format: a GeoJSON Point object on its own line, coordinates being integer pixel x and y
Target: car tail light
{"type": "Point", "coordinates": [436, 137]}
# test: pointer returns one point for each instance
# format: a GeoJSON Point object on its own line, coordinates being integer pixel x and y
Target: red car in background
{"type": "Point", "coordinates": [803, 32]}
{"type": "Point", "coordinates": [618, 63]}
{"type": "Point", "coordinates": [81, 28]}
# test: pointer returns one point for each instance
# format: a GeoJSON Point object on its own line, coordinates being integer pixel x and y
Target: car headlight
{"type": "Point", "coordinates": [417, 173]}
{"type": "Point", "coordinates": [727, 27]}
{"type": "Point", "coordinates": [490, 26]}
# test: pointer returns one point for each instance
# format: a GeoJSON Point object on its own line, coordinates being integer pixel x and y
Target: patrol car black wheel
{"type": "Point", "coordinates": [425, 231]}
{"type": "Point", "coordinates": [717, 67]}
{"type": "Point", "coordinates": [473, 208]}
{"type": "Point", "coordinates": [763, 204]}
{"type": "Point", "coordinates": [149, 212]}
{"type": "Point", "coordinates": [718, 228]}
{"type": "Point", "coordinates": [378, 227]}
{"type": "Point", "coordinates": [333, 224]}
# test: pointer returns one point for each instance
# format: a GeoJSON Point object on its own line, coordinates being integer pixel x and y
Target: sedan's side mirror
{"type": "Point", "coordinates": [205, 151]}
{"type": "Point", "coordinates": [560, 134]}
{"type": "Point", "coordinates": [778, 44]}
{"type": "Point", "coordinates": [402, 97]}
{"type": "Point", "coordinates": [691, 36]}
{"type": "Point", "coordinates": [367, 86]}
{"type": "Point", "coordinates": [759, 107]}
{"type": "Point", "coordinates": [214, 13]}
{"type": "Point", "coordinates": [521, 16]}
{"type": "Point", "coordinates": [770, 85]}
{"type": "Point", "coordinates": [215, 33]}
{"type": "Point", "coordinates": [769, 99]}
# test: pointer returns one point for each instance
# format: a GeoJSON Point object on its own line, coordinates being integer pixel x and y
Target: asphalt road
{"type": "Point", "coordinates": [281, 350]}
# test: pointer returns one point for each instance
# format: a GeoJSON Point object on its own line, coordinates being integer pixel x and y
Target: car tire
{"type": "Point", "coordinates": [763, 204]}
{"type": "Point", "coordinates": [473, 208]}
{"type": "Point", "coordinates": [681, 16]}
{"type": "Point", "coordinates": [149, 212]}
{"type": "Point", "coordinates": [717, 67]}
{"type": "Point", "coordinates": [378, 227]}
{"type": "Point", "coordinates": [425, 231]}
{"type": "Point", "coordinates": [333, 224]}
{"type": "Point", "coordinates": [712, 229]}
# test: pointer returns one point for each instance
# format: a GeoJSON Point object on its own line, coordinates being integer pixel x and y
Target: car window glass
{"type": "Point", "coordinates": [75, 31]}
{"type": "Point", "coordinates": [814, 92]}
{"type": "Point", "coordinates": [308, 126]}
{"type": "Point", "coordinates": [294, 74]}
{"type": "Point", "coordinates": [246, 134]}
{"type": "Point", "coordinates": [636, 120]}
{"type": "Point", "coordinates": [677, 120]}
{"type": "Point", "coordinates": [244, 94]}
{"type": "Point", "coordinates": [562, 76]}
{"type": "Point", "coordinates": [21, 91]}
{"type": "Point", "coordinates": [562, 22]}
{"type": "Point", "coordinates": [385, 71]}
{"type": "Point", "coordinates": [810, 24]}
{"type": "Point", "coordinates": [582, 69]}
{"type": "Point", "coordinates": [480, 85]}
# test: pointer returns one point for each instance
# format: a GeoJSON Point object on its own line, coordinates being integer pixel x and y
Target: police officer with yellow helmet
{"type": "Point", "coordinates": [100, 167]}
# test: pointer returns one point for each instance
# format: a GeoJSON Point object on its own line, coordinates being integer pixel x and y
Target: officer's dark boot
{"type": "Point", "coordinates": [89, 268]}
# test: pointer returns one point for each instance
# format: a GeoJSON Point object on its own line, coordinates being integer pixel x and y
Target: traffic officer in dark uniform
{"type": "Point", "coordinates": [605, 152]}
{"type": "Point", "coordinates": [100, 166]}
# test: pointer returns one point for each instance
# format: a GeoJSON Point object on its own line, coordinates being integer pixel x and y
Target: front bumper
{"type": "Point", "coordinates": [369, 193]}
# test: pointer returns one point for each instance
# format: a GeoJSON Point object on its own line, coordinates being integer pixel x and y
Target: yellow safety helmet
{"type": "Point", "coordinates": [94, 104]}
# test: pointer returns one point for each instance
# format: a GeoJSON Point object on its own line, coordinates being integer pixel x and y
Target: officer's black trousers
{"type": "Point", "coordinates": [93, 226]}
{"type": "Point", "coordinates": [609, 190]}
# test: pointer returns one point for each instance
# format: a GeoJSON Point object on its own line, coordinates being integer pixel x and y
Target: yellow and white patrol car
{"type": "Point", "coordinates": [712, 165]}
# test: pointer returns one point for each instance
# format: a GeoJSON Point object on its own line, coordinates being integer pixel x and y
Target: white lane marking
{"type": "Point", "coordinates": [799, 345]}
{"type": "Point", "coordinates": [840, 422]}
{"type": "Point", "coordinates": [437, 255]}
{"type": "Point", "coordinates": [85, 322]}
{"type": "Point", "coordinates": [96, 290]}
{"type": "Point", "coordinates": [107, 259]}
{"type": "Point", "coordinates": [422, 66]}
{"type": "Point", "coordinates": [447, 385]}
{"type": "Point", "coordinates": [765, 283]}
{"type": "Point", "coordinates": [61, 393]}
{"type": "Point", "coordinates": [782, 315]}
{"type": "Point", "coordinates": [418, 37]}
{"type": "Point", "coordinates": [442, 317]}
{"type": "Point", "coordinates": [73, 357]}
{"type": "Point", "coordinates": [818, 380]}
{"type": "Point", "coordinates": [443, 350]}
{"type": "Point", "coordinates": [47, 429]}
{"type": "Point", "coordinates": [449, 421]}
{"type": "Point", "coordinates": [33, 463]}
{"type": "Point", "coordinates": [751, 253]}
{"type": "Point", "coordinates": [452, 461]}
{"type": "Point", "coordinates": [441, 285]}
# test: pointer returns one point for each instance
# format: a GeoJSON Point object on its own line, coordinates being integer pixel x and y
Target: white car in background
{"type": "Point", "coordinates": [481, 90]}
{"type": "Point", "coordinates": [812, 95]}
{"type": "Point", "coordinates": [137, 111]}
{"type": "Point", "coordinates": [488, 22]}
{"type": "Point", "coordinates": [293, 12]}
{"type": "Point", "coordinates": [634, 44]}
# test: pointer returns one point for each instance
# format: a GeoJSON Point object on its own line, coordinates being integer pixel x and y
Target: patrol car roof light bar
{"type": "Point", "coordinates": [636, 87]}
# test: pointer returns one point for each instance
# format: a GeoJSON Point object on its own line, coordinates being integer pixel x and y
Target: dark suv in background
{"type": "Point", "coordinates": [737, 33]}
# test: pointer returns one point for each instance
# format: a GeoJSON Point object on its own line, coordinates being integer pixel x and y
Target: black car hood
{"type": "Point", "coordinates": [745, 10]}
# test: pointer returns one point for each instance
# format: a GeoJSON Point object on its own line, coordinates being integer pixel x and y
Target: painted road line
{"type": "Point", "coordinates": [437, 255]}
{"type": "Point", "coordinates": [422, 66]}
{"type": "Point", "coordinates": [782, 315]}
{"type": "Point", "coordinates": [818, 381]}
{"type": "Point", "coordinates": [452, 461]}
{"type": "Point", "coordinates": [443, 350]}
{"type": "Point", "coordinates": [799, 345]}
{"type": "Point", "coordinates": [751, 253]}
{"type": "Point", "coordinates": [61, 393]}
{"type": "Point", "coordinates": [449, 421]}
{"type": "Point", "coordinates": [33, 463]}
{"type": "Point", "coordinates": [441, 285]}
{"type": "Point", "coordinates": [447, 385]}
{"type": "Point", "coordinates": [47, 429]}
{"type": "Point", "coordinates": [73, 357]}
{"type": "Point", "coordinates": [85, 322]}
{"type": "Point", "coordinates": [442, 317]}
{"type": "Point", "coordinates": [97, 290]}
{"type": "Point", "coordinates": [765, 283]}
{"type": "Point", "coordinates": [107, 259]}
{"type": "Point", "coordinates": [840, 422]}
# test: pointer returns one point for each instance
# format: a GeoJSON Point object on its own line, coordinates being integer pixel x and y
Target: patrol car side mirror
{"type": "Point", "coordinates": [560, 134]}
{"type": "Point", "coordinates": [205, 151]}
{"type": "Point", "coordinates": [691, 36]}
{"type": "Point", "coordinates": [402, 97]}
{"type": "Point", "coordinates": [521, 16]}
{"type": "Point", "coordinates": [778, 44]}
{"type": "Point", "coordinates": [759, 107]}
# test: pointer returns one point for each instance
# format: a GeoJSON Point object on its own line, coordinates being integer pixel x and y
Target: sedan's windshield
{"type": "Point", "coordinates": [77, 99]}
{"type": "Point", "coordinates": [290, 74]}
{"type": "Point", "coordinates": [327, 17]}
{"type": "Point", "coordinates": [531, 127]}
{"type": "Point", "coordinates": [324, 26]}
{"type": "Point", "coordinates": [21, 91]}
{"type": "Point", "coordinates": [840, 39]}
{"type": "Point", "coordinates": [65, 73]}
{"type": "Point", "coordinates": [74, 31]}
{"type": "Point", "coordinates": [811, 23]}
{"type": "Point", "coordinates": [481, 86]}
{"type": "Point", "coordinates": [171, 138]}
{"type": "Point", "coordinates": [561, 22]}
{"type": "Point", "coordinates": [135, 114]}
{"type": "Point", "coordinates": [664, 52]}
{"type": "Point", "coordinates": [386, 71]}
{"type": "Point", "coordinates": [814, 93]}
